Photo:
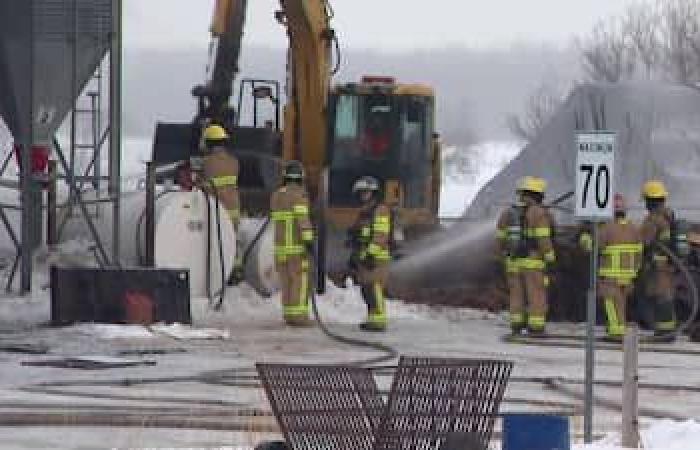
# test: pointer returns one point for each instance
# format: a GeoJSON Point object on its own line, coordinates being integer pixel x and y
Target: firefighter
{"type": "Point", "coordinates": [294, 238]}
{"type": "Point", "coordinates": [620, 259]}
{"type": "Point", "coordinates": [371, 254]}
{"type": "Point", "coordinates": [221, 171]}
{"type": "Point", "coordinates": [659, 277]}
{"type": "Point", "coordinates": [524, 235]}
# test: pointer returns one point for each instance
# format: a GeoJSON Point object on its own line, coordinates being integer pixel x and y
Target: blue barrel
{"type": "Point", "coordinates": [535, 432]}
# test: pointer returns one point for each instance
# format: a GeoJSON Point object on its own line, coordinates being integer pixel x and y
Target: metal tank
{"type": "Point", "coordinates": [180, 236]}
{"type": "Point", "coordinates": [256, 241]}
{"type": "Point", "coordinates": [181, 239]}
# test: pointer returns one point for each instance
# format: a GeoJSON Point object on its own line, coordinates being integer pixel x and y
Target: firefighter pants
{"type": "Point", "coordinates": [372, 283]}
{"type": "Point", "coordinates": [660, 288]}
{"type": "Point", "coordinates": [294, 276]}
{"type": "Point", "coordinates": [615, 294]}
{"type": "Point", "coordinates": [528, 299]}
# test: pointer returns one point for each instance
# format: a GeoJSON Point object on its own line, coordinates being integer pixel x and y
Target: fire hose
{"type": "Point", "coordinates": [692, 288]}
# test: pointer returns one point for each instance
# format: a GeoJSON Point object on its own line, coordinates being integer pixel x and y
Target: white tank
{"type": "Point", "coordinates": [257, 241]}
{"type": "Point", "coordinates": [181, 239]}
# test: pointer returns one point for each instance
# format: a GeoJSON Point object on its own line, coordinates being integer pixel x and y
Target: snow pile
{"type": "Point", "coordinates": [176, 331]}
{"type": "Point", "coordinates": [186, 332]}
{"type": "Point", "coordinates": [657, 135]}
{"type": "Point", "coordinates": [468, 170]}
{"type": "Point", "coordinates": [107, 331]}
{"type": "Point", "coordinates": [661, 435]}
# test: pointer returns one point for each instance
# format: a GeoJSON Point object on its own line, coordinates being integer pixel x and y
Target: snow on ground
{"type": "Point", "coordinates": [660, 435]}
{"type": "Point", "coordinates": [474, 168]}
{"type": "Point", "coordinates": [250, 329]}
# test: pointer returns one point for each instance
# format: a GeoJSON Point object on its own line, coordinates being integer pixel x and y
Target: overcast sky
{"type": "Point", "coordinates": [380, 24]}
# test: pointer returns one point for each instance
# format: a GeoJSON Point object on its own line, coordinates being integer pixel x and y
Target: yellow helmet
{"type": "Point", "coordinates": [532, 184]}
{"type": "Point", "coordinates": [215, 133]}
{"type": "Point", "coordinates": [654, 189]}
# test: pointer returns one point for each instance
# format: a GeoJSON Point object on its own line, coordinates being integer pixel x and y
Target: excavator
{"type": "Point", "coordinates": [374, 127]}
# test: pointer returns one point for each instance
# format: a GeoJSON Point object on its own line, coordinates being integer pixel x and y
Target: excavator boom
{"type": "Point", "coordinates": [309, 73]}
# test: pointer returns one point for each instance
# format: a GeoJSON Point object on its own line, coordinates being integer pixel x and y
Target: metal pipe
{"type": "Point", "coordinates": [83, 207]}
{"type": "Point", "coordinates": [74, 95]}
{"type": "Point", "coordinates": [150, 213]}
{"type": "Point", "coordinates": [590, 342]}
{"type": "Point", "coordinates": [115, 116]}
{"type": "Point", "coordinates": [630, 390]}
{"type": "Point", "coordinates": [51, 200]}
{"type": "Point", "coordinates": [25, 178]}
{"type": "Point", "coordinates": [6, 162]}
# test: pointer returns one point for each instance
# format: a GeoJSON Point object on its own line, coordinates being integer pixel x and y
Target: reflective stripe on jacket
{"type": "Point", "coordinates": [221, 172]}
{"type": "Point", "coordinates": [538, 232]}
{"type": "Point", "coordinates": [290, 216]}
{"type": "Point", "coordinates": [374, 225]}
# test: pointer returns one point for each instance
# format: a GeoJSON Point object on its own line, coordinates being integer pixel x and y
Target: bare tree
{"type": "Point", "coordinates": [641, 24]}
{"type": "Point", "coordinates": [539, 109]}
{"type": "Point", "coordinates": [679, 23]}
{"type": "Point", "coordinates": [608, 54]}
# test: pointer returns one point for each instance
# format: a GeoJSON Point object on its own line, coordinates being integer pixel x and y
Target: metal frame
{"type": "Point", "coordinates": [432, 402]}
{"type": "Point", "coordinates": [32, 204]}
{"type": "Point", "coordinates": [254, 83]}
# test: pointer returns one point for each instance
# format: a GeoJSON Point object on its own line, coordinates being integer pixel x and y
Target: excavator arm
{"type": "Point", "coordinates": [227, 27]}
{"type": "Point", "coordinates": [311, 40]}
{"type": "Point", "coordinates": [309, 74]}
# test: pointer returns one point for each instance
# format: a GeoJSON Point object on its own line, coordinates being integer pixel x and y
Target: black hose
{"type": "Point", "coordinates": [692, 288]}
{"type": "Point", "coordinates": [222, 262]}
{"type": "Point", "coordinates": [222, 265]}
{"type": "Point", "coordinates": [139, 224]}
{"type": "Point", "coordinates": [388, 352]}
{"type": "Point", "coordinates": [208, 252]}
{"type": "Point", "coordinates": [249, 249]}
{"type": "Point", "coordinates": [338, 55]}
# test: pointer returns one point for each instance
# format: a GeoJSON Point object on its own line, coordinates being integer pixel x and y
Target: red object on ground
{"type": "Point", "coordinates": [39, 158]}
{"type": "Point", "coordinates": [138, 308]}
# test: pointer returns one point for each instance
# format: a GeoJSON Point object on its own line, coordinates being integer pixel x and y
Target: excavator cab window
{"type": "Point", "coordinates": [382, 135]}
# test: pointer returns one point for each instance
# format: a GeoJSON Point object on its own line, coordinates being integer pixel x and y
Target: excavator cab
{"type": "Point", "coordinates": [384, 129]}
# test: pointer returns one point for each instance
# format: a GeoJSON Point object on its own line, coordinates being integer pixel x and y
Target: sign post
{"type": "Point", "coordinates": [595, 175]}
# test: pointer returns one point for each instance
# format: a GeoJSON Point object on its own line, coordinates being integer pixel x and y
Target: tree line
{"type": "Point", "coordinates": [652, 40]}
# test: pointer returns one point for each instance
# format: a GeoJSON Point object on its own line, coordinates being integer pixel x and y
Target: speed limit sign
{"type": "Point", "coordinates": [595, 175]}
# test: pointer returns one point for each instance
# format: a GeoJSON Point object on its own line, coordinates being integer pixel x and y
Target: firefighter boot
{"type": "Point", "coordinates": [665, 326]}
{"type": "Point", "coordinates": [517, 323]}
{"type": "Point", "coordinates": [536, 326]}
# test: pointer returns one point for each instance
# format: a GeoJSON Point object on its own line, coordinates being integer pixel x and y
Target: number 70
{"type": "Point", "coordinates": [602, 185]}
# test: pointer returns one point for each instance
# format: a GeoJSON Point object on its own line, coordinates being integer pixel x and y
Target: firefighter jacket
{"type": "Point", "coordinates": [620, 250]}
{"type": "Point", "coordinates": [656, 228]}
{"type": "Point", "coordinates": [533, 229]}
{"type": "Point", "coordinates": [372, 234]}
{"type": "Point", "coordinates": [290, 215]}
{"type": "Point", "coordinates": [221, 172]}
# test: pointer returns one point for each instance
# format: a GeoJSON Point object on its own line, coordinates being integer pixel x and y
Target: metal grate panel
{"type": "Point", "coordinates": [323, 407]}
{"type": "Point", "coordinates": [433, 399]}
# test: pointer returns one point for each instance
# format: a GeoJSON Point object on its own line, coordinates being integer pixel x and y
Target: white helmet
{"type": "Point", "coordinates": [366, 183]}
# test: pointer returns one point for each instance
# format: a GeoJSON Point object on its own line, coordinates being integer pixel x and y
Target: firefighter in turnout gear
{"type": "Point", "coordinates": [620, 259]}
{"type": "Point", "coordinates": [524, 237]}
{"type": "Point", "coordinates": [370, 241]}
{"type": "Point", "coordinates": [294, 237]}
{"type": "Point", "coordinates": [221, 171]}
{"type": "Point", "coordinates": [659, 274]}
